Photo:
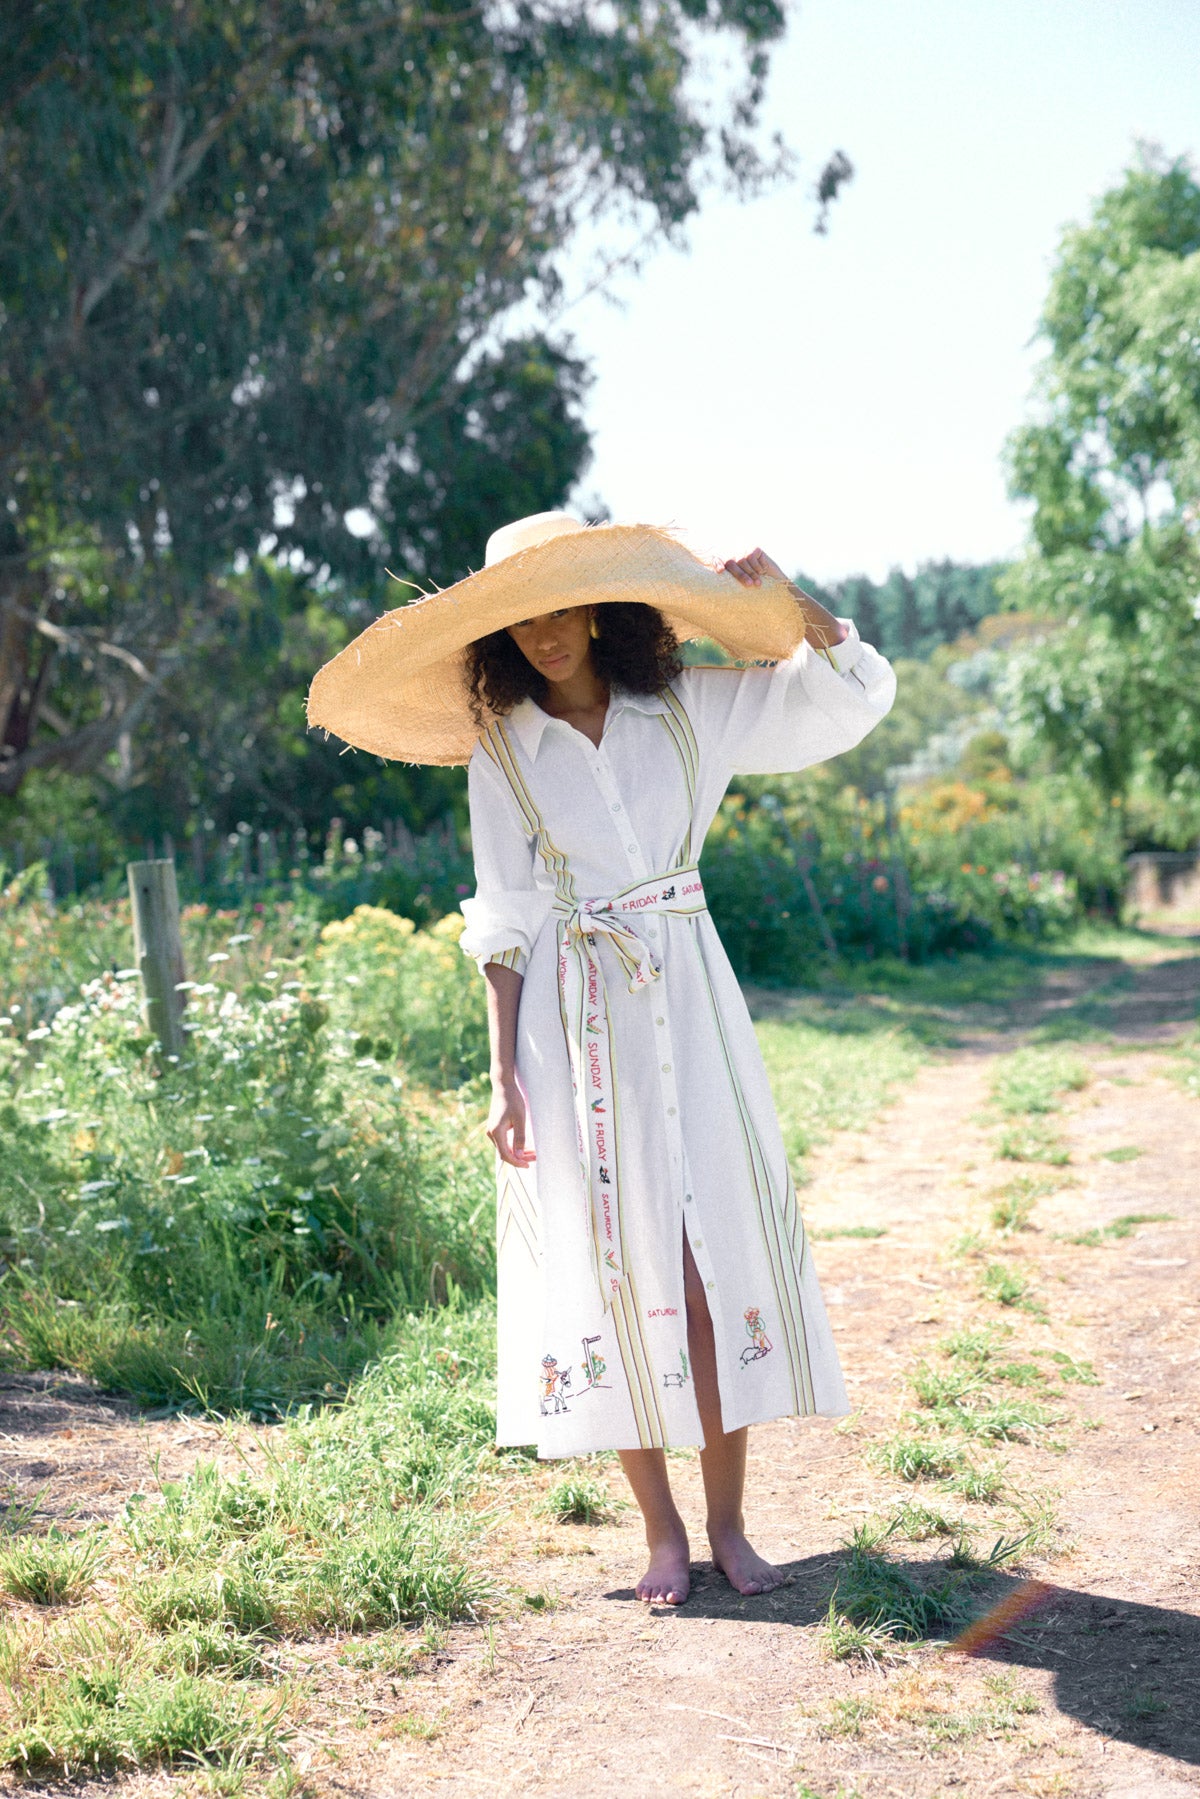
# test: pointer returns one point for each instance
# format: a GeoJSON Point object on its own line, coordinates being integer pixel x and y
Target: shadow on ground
{"type": "Point", "coordinates": [1124, 1670]}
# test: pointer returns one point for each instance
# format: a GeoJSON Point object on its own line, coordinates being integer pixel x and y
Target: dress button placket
{"type": "Point", "coordinates": [602, 773]}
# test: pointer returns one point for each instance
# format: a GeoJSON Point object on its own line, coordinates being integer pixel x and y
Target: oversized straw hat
{"type": "Point", "coordinates": [400, 689]}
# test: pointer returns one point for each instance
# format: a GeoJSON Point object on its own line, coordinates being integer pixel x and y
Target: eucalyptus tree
{"type": "Point", "coordinates": [258, 263]}
{"type": "Point", "coordinates": [1111, 462]}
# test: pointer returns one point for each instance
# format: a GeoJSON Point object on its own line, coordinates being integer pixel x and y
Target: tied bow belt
{"type": "Point", "coordinates": [587, 1025]}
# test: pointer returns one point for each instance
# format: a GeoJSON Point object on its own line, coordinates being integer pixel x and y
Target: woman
{"type": "Point", "coordinates": [655, 1288]}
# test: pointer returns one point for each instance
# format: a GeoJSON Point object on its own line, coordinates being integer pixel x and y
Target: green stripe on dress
{"type": "Point", "coordinates": [784, 1274]}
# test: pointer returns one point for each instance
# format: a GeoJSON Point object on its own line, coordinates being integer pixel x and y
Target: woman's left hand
{"type": "Point", "coordinates": [749, 570]}
{"type": "Point", "coordinates": [820, 626]}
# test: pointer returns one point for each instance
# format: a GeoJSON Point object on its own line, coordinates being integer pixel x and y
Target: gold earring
{"type": "Point", "coordinates": [593, 628]}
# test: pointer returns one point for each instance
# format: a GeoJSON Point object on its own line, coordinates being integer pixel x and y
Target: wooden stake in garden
{"type": "Point", "coordinates": [158, 949]}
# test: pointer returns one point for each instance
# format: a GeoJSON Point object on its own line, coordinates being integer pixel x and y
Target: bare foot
{"type": "Point", "coordinates": [668, 1579]}
{"type": "Point", "coordinates": [742, 1567]}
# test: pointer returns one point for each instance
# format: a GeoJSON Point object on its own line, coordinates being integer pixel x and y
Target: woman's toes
{"type": "Point", "coordinates": [667, 1581]}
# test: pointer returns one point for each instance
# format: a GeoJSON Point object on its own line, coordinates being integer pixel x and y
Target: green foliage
{"type": "Point", "coordinates": [50, 1570]}
{"type": "Point", "coordinates": [1077, 1373]}
{"type": "Point", "coordinates": [1112, 465]}
{"type": "Point", "coordinates": [1012, 1204]}
{"type": "Point", "coordinates": [861, 1231]}
{"type": "Point", "coordinates": [919, 1523]}
{"type": "Point", "coordinates": [928, 709]}
{"type": "Point", "coordinates": [255, 273]}
{"type": "Point", "coordinates": [1032, 1142]}
{"type": "Point", "coordinates": [1034, 1081]}
{"type": "Point", "coordinates": [360, 1518]}
{"type": "Point", "coordinates": [833, 1068]}
{"type": "Point", "coordinates": [908, 617]}
{"type": "Point", "coordinates": [1122, 1227]}
{"type": "Point", "coordinates": [883, 1600]}
{"type": "Point", "coordinates": [980, 1486]}
{"type": "Point", "coordinates": [916, 1458]}
{"type": "Point", "coordinates": [1026, 1087]}
{"type": "Point", "coordinates": [578, 1499]}
{"type": "Point", "coordinates": [104, 1720]}
{"type": "Point", "coordinates": [794, 862]}
{"type": "Point", "coordinates": [1188, 1064]}
{"type": "Point", "coordinates": [239, 1229]}
{"type": "Point", "coordinates": [1006, 1286]}
{"type": "Point", "coordinates": [408, 993]}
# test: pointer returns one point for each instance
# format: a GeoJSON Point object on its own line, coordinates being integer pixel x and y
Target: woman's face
{"type": "Point", "coordinates": [556, 643]}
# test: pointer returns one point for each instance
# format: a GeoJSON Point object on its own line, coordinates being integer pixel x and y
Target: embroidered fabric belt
{"type": "Point", "coordinates": [587, 1026]}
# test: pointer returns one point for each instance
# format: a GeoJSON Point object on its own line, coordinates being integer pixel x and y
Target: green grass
{"type": "Point", "coordinates": [975, 1346]}
{"type": "Point", "coordinates": [938, 1387]}
{"type": "Point", "coordinates": [1122, 1227]}
{"type": "Point", "coordinates": [979, 1486]}
{"type": "Point", "coordinates": [1012, 1205]}
{"type": "Point", "coordinates": [831, 1067]}
{"type": "Point", "coordinates": [578, 1499]}
{"type": "Point", "coordinates": [50, 1570]}
{"type": "Point", "coordinates": [865, 1231]}
{"type": "Point", "coordinates": [1187, 1064]}
{"type": "Point", "coordinates": [1033, 1142]}
{"type": "Point", "coordinates": [1080, 1374]}
{"type": "Point", "coordinates": [1026, 1087]}
{"type": "Point", "coordinates": [1128, 1152]}
{"type": "Point", "coordinates": [919, 1523]}
{"type": "Point", "coordinates": [878, 1604]}
{"type": "Point", "coordinates": [1008, 1287]}
{"type": "Point", "coordinates": [1035, 1081]}
{"type": "Point", "coordinates": [915, 1458]}
{"type": "Point", "coordinates": [362, 1517]}
{"type": "Point", "coordinates": [1000, 1420]}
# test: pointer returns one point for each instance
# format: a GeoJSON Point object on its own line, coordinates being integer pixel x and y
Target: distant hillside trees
{"type": "Point", "coordinates": [912, 615]}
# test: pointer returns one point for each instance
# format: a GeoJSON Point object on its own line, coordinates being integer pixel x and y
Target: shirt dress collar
{"type": "Point", "coordinates": [529, 721]}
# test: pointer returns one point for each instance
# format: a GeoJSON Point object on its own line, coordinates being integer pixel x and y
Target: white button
{"type": "Point", "coordinates": [660, 1021]}
{"type": "Point", "coordinates": [616, 805]}
{"type": "Point", "coordinates": [670, 1111]}
{"type": "Point", "coordinates": [688, 1197]}
{"type": "Point", "coordinates": [631, 849]}
{"type": "Point", "coordinates": [698, 1244]}
{"type": "Point", "coordinates": [711, 1285]}
{"type": "Point", "coordinates": [666, 1068]}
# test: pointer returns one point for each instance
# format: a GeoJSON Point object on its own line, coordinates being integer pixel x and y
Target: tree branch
{"type": "Point", "coordinates": [177, 166]}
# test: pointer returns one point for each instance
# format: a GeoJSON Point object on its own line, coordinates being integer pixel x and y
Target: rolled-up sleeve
{"type": "Point", "coordinates": [770, 721]}
{"type": "Point", "coordinates": [509, 909]}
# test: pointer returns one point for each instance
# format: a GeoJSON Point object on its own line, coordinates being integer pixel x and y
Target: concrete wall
{"type": "Point", "coordinates": [1164, 881]}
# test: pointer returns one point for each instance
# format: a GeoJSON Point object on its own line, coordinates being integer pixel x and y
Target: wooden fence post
{"type": "Point", "coordinates": [158, 950]}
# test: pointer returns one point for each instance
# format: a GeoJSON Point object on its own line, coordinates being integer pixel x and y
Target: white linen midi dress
{"type": "Point", "coordinates": [649, 1106]}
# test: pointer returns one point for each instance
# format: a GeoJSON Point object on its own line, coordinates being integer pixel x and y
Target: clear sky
{"type": "Point", "coordinates": [844, 400]}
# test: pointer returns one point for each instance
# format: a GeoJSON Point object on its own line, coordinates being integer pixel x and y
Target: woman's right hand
{"type": "Point", "coordinates": [506, 1124]}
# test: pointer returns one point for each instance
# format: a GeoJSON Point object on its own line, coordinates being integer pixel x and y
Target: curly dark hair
{"type": "Point", "coordinates": [636, 649]}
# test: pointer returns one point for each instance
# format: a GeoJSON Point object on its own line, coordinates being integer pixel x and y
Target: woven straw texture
{"type": "Point", "coordinates": [400, 688]}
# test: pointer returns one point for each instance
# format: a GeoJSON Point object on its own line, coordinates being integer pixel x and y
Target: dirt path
{"type": "Point", "coordinates": [1097, 1693]}
{"type": "Point", "coordinates": [591, 1696]}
